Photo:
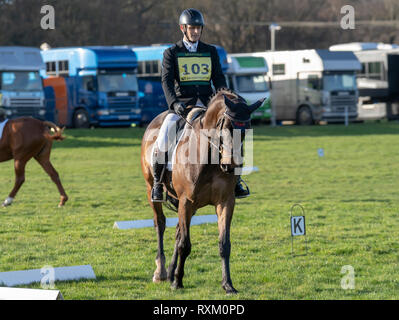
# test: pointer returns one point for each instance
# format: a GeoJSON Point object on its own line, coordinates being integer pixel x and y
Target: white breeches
{"type": "Point", "coordinates": [167, 132]}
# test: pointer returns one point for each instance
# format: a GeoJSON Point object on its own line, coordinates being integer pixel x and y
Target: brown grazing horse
{"type": "Point", "coordinates": [26, 138]}
{"type": "Point", "coordinates": [198, 184]}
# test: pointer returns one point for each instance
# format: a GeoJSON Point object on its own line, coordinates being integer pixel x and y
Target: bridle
{"type": "Point", "coordinates": [236, 124]}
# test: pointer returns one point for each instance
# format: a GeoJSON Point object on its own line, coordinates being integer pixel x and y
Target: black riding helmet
{"type": "Point", "coordinates": [191, 17]}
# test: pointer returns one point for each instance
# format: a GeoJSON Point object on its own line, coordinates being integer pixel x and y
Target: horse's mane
{"type": "Point", "coordinates": [224, 91]}
{"type": "Point", "coordinates": [216, 105]}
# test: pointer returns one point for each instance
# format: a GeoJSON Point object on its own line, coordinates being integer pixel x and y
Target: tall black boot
{"type": "Point", "coordinates": [240, 191]}
{"type": "Point", "coordinates": [158, 167]}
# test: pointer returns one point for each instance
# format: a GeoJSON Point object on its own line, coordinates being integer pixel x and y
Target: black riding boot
{"type": "Point", "coordinates": [158, 169]}
{"type": "Point", "coordinates": [240, 191]}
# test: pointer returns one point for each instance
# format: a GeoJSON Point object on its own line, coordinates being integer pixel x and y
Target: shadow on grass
{"type": "Point", "coordinates": [366, 200]}
{"type": "Point", "coordinates": [354, 129]}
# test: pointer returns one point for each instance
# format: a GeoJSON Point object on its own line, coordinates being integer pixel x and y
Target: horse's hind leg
{"type": "Point", "coordinates": [225, 214]}
{"type": "Point", "coordinates": [159, 223]}
{"type": "Point", "coordinates": [19, 167]}
{"type": "Point", "coordinates": [44, 160]}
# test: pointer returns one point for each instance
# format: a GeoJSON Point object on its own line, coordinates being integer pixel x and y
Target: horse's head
{"type": "Point", "coordinates": [234, 123]}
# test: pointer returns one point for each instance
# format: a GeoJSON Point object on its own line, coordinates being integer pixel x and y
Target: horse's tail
{"type": "Point", "coordinates": [57, 131]}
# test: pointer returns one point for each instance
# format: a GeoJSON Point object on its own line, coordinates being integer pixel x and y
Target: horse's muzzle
{"type": "Point", "coordinates": [227, 168]}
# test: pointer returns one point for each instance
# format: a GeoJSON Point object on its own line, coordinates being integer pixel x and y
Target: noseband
{"type": "Point", "coordinates": [236, 124]}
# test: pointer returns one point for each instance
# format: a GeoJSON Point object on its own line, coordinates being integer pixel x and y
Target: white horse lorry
{"type": "Point", "coordinates": [21, 87]}
{"type": "Point", "coordinates": [247, 76]}
{"type": "Point", "coordinates": [309, 86]}
{"type": "Point", "coordinates": [378, 81]}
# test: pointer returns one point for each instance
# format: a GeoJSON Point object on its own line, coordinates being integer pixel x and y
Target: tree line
{"type": "Point", "coordinates": [237, 25]}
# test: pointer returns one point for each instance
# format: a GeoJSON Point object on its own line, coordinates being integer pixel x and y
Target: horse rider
{"type": "Point", "coordinates": [188, 68]}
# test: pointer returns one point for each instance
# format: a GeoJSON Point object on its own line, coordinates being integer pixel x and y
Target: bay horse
{"type": "Point", "coordinates": [195, 185]}
{"type": "Point", "coordinates": [26, 138]}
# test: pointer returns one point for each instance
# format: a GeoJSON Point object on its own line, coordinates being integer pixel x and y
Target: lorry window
{"type": "Point", "coordinates": [117, 82]}
{"type": "Point", "coordinates": [88, 83]}
{"type": "Point", "coordinates": [149, 68]}
{"type": "Point", "coordinates": [51, 68]}
{"type": "Point", "coordinates": [278, 69]}
{"type": "Point", "coordinates": [375, 70]}
{"type": "Point", "coordinates": [313, 82]}
{"type": "Point", "coordinates": [252, 83]}
{"type": "Point", "coordinates": [21, 81]}
{"type": "Point", "coordinates": [339, 81]}
{"type": "Point", "coordinates": [372, 70]}
{"type": "Point", "coordinates": [63, 68]}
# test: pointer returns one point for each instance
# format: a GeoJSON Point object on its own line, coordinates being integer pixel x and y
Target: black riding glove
{"type": "Point", "coordinates": [180, 109]}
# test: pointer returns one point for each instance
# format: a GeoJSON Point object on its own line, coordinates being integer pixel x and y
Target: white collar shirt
{"type": "Point", "coordinates": [191, 47]}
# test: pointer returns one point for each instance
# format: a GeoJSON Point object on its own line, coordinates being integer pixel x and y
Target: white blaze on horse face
{"type": "Point", "coordinates": [249, 153]}
{"type": "Point", "coordinates": [237, 147]}
{"type": "Point", "coordinates": [227, 147]}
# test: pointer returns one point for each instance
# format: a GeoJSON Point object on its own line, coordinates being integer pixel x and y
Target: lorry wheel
{"type": "Point", "coordinates": [304, 116]}
{"type": "Point", "coordinates": [81, 119]}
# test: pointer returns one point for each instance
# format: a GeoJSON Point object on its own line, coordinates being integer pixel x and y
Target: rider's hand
{"type": "Point", "coordinates": [180, 109]}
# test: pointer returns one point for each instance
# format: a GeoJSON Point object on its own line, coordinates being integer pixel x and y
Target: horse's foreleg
{"type": "Point", "coordinates": [173, 263]}
{"type": "Point", "coordinates": [225, 214]}
{"type": "Point", "coordinates": [19, 167]}
{"type": "Point", "coordinates": [44, 161]}
{"type": "Point", "coordinates": [183, 244]}
{"type": "Point", "coordinates": [159, 224]}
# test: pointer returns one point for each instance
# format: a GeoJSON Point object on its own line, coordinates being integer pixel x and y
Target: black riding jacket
{"type": "Point", "coordinates": [187, 76]}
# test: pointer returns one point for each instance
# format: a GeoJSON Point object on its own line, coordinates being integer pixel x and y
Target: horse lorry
{"type": "Point", "coordinates": [309, 86]}
{"type": "Point", "coordinates": [92, 86]}
{"type": "Point", "coordinates": [21, 87]}
{"type": "Point", "coordinates": [247, 76]}
{"type": "Point", "coordinates": [378, 81]}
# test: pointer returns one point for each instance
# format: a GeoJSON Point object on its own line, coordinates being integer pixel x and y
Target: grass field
{"type": "Point", "coordinates": [350, 197]}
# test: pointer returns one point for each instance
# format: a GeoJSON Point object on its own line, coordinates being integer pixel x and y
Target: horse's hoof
{"type": "Point", "coordinates": [7, 202]}
{"type": "Point", "coordinates": [176, 286]}
{"type": "Point", "coordinates": [158, 278]}
{"type": "Point", "coordinates": [62, 202]}
{"type": "Point", "coordinates": [230, 289]}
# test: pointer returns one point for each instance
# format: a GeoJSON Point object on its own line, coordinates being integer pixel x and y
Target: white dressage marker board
{"type": "Point", "coordinates": [17, 278]}
{"type": "Point", "coordinates": [29, 294]}
{"type": "Point", "coordinates": [170, 222]}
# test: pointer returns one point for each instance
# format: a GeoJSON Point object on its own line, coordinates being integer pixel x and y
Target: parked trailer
{"type": "Point", "coordinates": [313, 85]}
{"type": "Point", "coordinates": [92, 86]}
{"type": "Point", "coordinates": [247, 76]}
{"type": "Point", "coordinates": [378, 81]}
{"type": "Point", "coordinates": [21, 88]}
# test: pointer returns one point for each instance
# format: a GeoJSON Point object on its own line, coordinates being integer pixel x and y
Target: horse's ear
{"type": "Point", "coordinates": [230, 104]}
{"type": "Point", "coordinates": [255, 105]}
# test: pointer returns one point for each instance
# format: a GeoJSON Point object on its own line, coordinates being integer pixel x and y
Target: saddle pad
{"type": "Point", "coordinates": [2, 124]}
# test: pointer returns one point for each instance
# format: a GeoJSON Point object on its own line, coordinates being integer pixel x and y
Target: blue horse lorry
{"type": "Point", "coordinates": [91, 86]}
{"type": "Point", "coordinates": [106, 86]}
{"type": "Point", "coordinates": [21, 89]}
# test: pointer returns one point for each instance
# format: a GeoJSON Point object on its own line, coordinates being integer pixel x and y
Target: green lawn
{"type": "Point", "coordinates": [350, 197]}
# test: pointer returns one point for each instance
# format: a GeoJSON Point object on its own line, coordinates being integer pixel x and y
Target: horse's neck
{"type": "Point", "coordinates": [211, 117]}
